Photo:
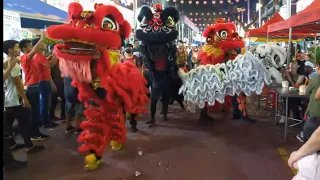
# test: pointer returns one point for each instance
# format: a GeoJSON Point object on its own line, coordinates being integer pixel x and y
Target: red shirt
{"type": "Point", "coordinates": [30, 70]}
{"type": "Point", "coordinates": [40, 61]}
{"type": "Point", "coordinates": [132, 59]}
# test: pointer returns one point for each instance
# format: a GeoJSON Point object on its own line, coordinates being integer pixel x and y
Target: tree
{"type": "Point", "coordinates": [233, 8]}
{"type": "Point", "coordinates": [245, 27]}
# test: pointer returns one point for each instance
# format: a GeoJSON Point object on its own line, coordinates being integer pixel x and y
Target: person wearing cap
{"type": "Point", "coordinates": [309, 69]}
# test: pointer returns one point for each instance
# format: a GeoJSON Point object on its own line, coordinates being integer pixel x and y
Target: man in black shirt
{"type": "Point", "coordinates": [58, 81]}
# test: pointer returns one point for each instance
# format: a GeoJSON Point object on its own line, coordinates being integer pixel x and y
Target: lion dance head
{"type": "Point", "coordinates": [88, 40]}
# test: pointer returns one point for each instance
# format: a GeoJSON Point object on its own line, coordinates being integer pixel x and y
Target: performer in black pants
{"type": "Point", "coordinates": [157, 35]}
{"type": "Point", "coordinates": [58, 80]}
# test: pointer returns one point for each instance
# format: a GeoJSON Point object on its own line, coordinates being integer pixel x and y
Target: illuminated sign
{"type": "Point", "coordinates": [125, 2]}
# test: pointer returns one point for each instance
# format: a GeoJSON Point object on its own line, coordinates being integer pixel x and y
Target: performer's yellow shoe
{"type": "Point", "coordinates": [92, 162]}
{"type": "Point", "coordinates": [115, 145]}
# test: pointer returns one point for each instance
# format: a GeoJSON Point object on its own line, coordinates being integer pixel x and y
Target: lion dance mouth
{"type": "Point", "coordinates": [89, 55]}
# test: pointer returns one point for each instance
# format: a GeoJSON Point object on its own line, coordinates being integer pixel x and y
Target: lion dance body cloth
{"type": "Point", "coordinates": [222, 71]}
{"type": "Point", "coordinates": [89, 55]}
{"type": "Point", "coordinates": [157, 34]}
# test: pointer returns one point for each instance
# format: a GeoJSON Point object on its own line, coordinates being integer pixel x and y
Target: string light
{"type": "Point", "coordinates": [197, 2]}
{"type": "Point", "coordinates": [214, 2]}
{"type": "Point", "coordinates": [205, 2]}
{"type": "Point", "coordinates": [190, 2]}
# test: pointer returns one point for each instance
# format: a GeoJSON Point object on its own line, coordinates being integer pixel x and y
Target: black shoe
{"type": "Point", "coordinates": [51, 125]}
{"type": "Point", "coordinates": [40, 137]}
{"type": "Point", "coordinates": [70, 129]}
{"type": "Point", "coordinates": [77, 131]}
{"type": "Point", "coordinates": [165, 118]}
{"type": "Point", "coordinates": [134, 129]}
{"type": "Point", "coordinates": [35, 149]}
{"type": "Point", "coordinates": [206, 118]}
{"type": "Point", "coordinates": [236, 116]}
{"type": "Point", "coordinates": [152, 125]}
{"type": "Point", "coordinates": [16, 147]}
{"type": "Point", "coordinates": [247, 119]}
{"type": "Point", "coordinates": [14, 165]}
{"type": "Point", "coordinates": [150, 122]}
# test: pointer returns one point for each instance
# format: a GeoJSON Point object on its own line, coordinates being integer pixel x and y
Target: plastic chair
{"type": "Point", "coordinates": [271, 102]}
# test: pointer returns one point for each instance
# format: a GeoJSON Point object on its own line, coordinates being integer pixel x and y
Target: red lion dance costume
{"type": "Point", "coordinates": [222, 40]}
{"type": "Point", "coordinates": [89, 55]}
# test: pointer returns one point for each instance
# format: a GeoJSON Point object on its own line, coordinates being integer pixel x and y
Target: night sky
{"type": "Point", "coordinates": [209, 9]}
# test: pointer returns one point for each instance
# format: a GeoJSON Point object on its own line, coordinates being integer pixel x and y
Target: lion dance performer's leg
{"type": "Point", "coordinates": [105, 123]}
{"type": "Point", "coordinates": [159, 88]}
{"type": "Point", "coordinates": [133, 122]}
{"type": "Point", "coordinates": [239, 104]}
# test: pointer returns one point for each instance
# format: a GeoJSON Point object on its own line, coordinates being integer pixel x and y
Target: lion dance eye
{"type": "Point", "coordinates": [223, 34]}
{"type": "Point", "coordinates": [170, 22]}
{"type": "Point", "coordinates": [109, 24]}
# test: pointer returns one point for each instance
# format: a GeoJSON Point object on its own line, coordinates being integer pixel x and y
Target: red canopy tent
{"type": "Point", "coordinates": [262, 31]}
{"type": "Point", "coordinates": [307, 21]}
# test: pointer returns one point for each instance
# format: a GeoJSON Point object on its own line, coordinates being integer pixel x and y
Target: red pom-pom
{"type": "Point", "coordinates": [158, 7]}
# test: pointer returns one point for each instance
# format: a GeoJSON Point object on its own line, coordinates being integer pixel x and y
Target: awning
{"type": "Point", "coordinates": [262, 31]}
{"type": "Point", "coordinates": [307, 21]}
{"type": "Point", "coordinates": [35, 13]}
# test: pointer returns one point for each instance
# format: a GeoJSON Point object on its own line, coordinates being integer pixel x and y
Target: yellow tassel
{"type": "Point", "coordinates": [115, 145]}
{"type": "Point", "coordinates": [128, 115]}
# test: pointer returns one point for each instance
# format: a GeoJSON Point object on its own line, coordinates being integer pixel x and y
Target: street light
{"type": "Point", "coordinates": [258, 8]}
{"type": "Point", "coordinates": [242, 9]}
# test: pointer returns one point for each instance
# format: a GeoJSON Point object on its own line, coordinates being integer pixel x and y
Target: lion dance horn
{"type": "Point", "coordinates": [96, 5]}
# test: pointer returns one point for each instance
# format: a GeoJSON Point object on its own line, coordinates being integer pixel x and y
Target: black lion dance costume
{"type": "Point", "coordinates": [157, 35]}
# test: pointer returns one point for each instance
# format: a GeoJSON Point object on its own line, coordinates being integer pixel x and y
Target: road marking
{"type": "Point", "coordinates": [285, 157]}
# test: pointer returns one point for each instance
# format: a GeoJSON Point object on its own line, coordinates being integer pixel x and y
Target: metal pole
{"type": "Point", "coordinates": [276, 110]}
{"type": "Point", "coordinates": [242, 16]}
{"type": "Point", "coordinates": [248, 2]}
{"type": "Point", "coordinates": [135, 7]}
{"type": "Point", "coordinates": [289, 48]}
{"type": "Point", "coordinates": [286, 120]}
{"type": "Point", "coordinates": [289, 8]}
{"type": "Point", "coordinates": [182, 34]}
{"type": "Point", "coordinates": [260, 13]}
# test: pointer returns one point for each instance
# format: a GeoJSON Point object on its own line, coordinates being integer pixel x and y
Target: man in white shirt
{"type": "Point", "coordinates": [9, 162]}
{"type": "Point", "coordinates": [14, 109]}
